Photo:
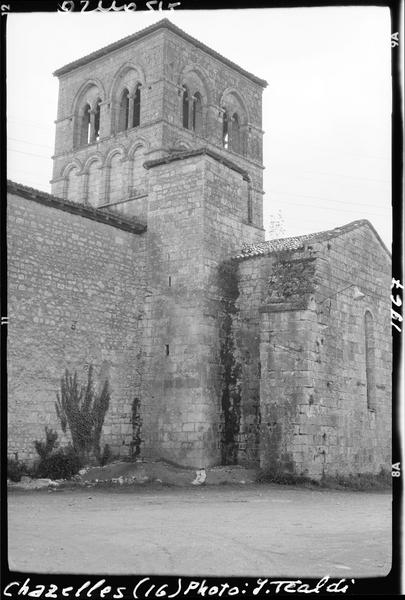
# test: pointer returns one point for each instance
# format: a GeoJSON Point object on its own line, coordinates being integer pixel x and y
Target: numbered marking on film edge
{"type": "Point", "coordinates": [395, 39]}
{"type": "Point", "coordinates": [396, 470]}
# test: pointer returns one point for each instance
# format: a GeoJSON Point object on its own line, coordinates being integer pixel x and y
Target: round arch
{"type": "Point", "coordinates": [67, 181]}
{"type": "Point", "coordinates": [120, 149]}
{"type": "Point", "coordinates": [190, 76]}
{"type": "Point", "coordinates": [88, 98]}
{"type": "Point", "coordinates": [75, 162]}
{"type": "Point", "coordinates": [139, 142]}
{"type": "Point", "coordinates": [232, 92]}
{"type": "Point", "coordinates": [82, 91]}
{"type": "Point", "coordinates": [129, 78]}
{"type": "Point", "coordinates": [91, 159]}
{"type": "Point", "coordinates": [120, 77]}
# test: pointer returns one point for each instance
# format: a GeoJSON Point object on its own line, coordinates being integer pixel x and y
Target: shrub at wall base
{"type": "Point", "coordinates": [83, 410]}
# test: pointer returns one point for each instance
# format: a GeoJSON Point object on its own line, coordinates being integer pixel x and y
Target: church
{"type": "Point", "coordinates": [149, 262]}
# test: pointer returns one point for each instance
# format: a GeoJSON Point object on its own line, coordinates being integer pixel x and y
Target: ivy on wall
{"type": "Point", "coordinates": [291, 280]}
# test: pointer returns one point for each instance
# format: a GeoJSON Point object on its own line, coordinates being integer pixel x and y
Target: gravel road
{"type": "Point", "coordinates": [258, 530]}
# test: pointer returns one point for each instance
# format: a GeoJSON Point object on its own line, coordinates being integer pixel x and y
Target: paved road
{"type": "Point", "coordinates": [255, 530]}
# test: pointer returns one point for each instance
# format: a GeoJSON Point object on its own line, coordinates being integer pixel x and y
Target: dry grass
{"type": "Point", "coordinates": [354, 482]}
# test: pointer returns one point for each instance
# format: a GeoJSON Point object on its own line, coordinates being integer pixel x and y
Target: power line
{"type": "Point", "coordinates": [304, 176]}
{"type": "Point", "coordinates": [29, 143]}
{"type": "Point", "coordinates": [335, 209]}
{"type": "Point", "coordinates": [316, 225]}
{"type": "Point", "coordinates": [29, 153]}
{"type": "Point", "coordinates": [22, 171]}
{"type": "Point", "coordinates": [32, 123]}
{"type": "Point", "coordinates": [34, 183]}
{"type": "Point", "coordinates": [348, 176]}
{"type": "Point", "coordinates": [330, 151]}
{"type": "Point", "coordinates": [321, 198]}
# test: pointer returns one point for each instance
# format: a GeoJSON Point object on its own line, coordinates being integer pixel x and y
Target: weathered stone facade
{"type": "Point", "coordinates": [76, 288]}
{"type": "Point", "coordinates": [324, 392]}
{"type": "Point", "coordinates": [215, 354]}
{"type": "Point", "coordinates": [161, 60]}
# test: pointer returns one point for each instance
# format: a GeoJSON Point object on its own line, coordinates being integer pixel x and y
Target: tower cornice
{"type": "Point", "coordinates": [163, 24]}
{"type": "Point", "coordinates": [197, 152]}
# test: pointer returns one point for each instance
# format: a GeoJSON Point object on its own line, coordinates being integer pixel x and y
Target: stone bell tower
{"type": "Point", "coordinates": [159, 126]}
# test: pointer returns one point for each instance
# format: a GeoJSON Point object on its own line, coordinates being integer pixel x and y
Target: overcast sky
{"type": "Point", "coordinates": [326, 110]}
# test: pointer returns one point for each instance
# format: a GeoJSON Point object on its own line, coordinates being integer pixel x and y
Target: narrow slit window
{"type": "Point", "coordinates": [185, 107]}
{"type": "Point", "coordinates": [225, 131]}
{"type": "Point", "coordinates": [123, 111]}
{"type": "Point", "coordinates": [170, 281]}
{"type": "Point", "coordinates": [136, 121]}
{"type": "Point", "coordinates": [197, 113]}
{"type": "Point", "coordinates": [96, 136]}
{"type": "Point", "coordinates": [86, 125]}
{"type": "Point", "coordinates": [167, 350]}
{"type": "Point", "coordinates": [249, 205]}
{"type": "Point", "coordinates": [370, 361]}
{"type": "Point", "coordinates": [235, 138]}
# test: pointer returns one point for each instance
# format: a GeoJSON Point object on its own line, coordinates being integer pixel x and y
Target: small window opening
{"type": "Point", "coordinates": [249, 205]}
{"type": "Point", "coordinates": [86, 126]}
{"type": "Point", "coordinates": [123, 111]}
{"type": "Point", "coordinates": [136, 120]}
{"type": "Point", "coordinates": [225, 131]}
{"type": "Point", "coordinates": [167, 350]}
{"type": "Point", "coordinates": [197, 113]}
{"type": "Point", "coordinates": [370, 361]}
{"type": "Point", "coordinates": [97, 122]}
{"type": "Point", "coordinates": [235, 138]}
{"type": "Point", "coordinates": [170, 281]}
{"type": "Point", "coordinates": [185, 107]}
{"type": "Point", "coordinates": [126, 112]}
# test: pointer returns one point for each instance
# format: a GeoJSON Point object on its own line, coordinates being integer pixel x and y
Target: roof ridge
{"type": "Point", "coordinates": [104, 216]}
{"type": "Point", "coordinates": [294, 242]}
{"type": "Point", "coordinates": [163, 23]}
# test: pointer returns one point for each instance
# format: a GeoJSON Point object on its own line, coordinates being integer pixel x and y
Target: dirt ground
{"type": "Point", "coordinates": [257, 530]}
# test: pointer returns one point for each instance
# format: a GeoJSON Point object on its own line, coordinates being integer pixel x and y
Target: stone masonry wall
{"type": "Point", "coordinates": [224, 228]}
{"type": "Point", "coordinates": [252, 276]}
{"type": "Point", "coordinates": [173, 406]}
{"type": "Point", "coordinates": [116, 153]}
{"type": "Point", "coordinates": [195, 223]}
{"type": "Point", "coordinates": [111, 168]}
{"type": "Point", "coordinates": [358, 436]}
{"type": "Point", "coordinates": [320, 412]}
{"type": "Point", "coordinates": [76, 293]}
{"type": "Point", "coordinates": [216, 82]}
{"type": "Point", "coordinates": [289, 419]}
{"type": "Point", "coordinates": [146, 57]}
{"type": "Point", "coordinates": [256, 279]}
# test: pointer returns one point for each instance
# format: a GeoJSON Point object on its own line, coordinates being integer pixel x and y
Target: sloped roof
{"type": "Point", "coordinates": [163, 24]}
{"type": "Point", "coordinates": [183, 154]}
{"type": "Point", "coordinates": [106, 216]}
{"type": "Point", "coordinates": [295, 242]}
